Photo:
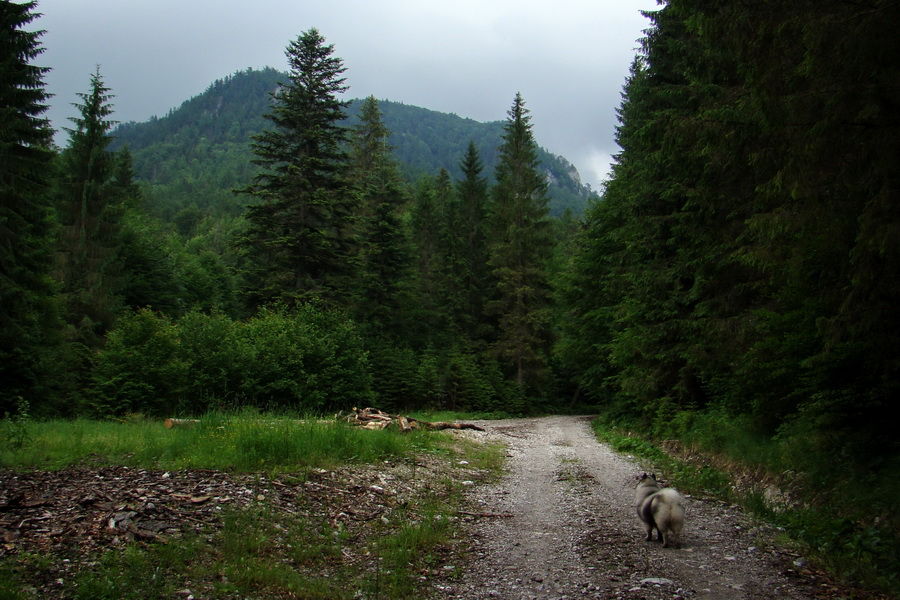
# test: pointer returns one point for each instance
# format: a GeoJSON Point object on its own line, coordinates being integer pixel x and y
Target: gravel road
{"type": "Point", "coordinates": [561, 524]}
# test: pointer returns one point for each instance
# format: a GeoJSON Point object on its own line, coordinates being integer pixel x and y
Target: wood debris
{"type": "Point", "coordinates": [170, 423]}
{"type": "Point", "coordinates": [372, 418]}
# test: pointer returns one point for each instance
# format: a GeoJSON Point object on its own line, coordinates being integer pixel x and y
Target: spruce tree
{"type": "Point", "coordinates": [300, 239]}
{"type": "Point", "coordinates": [520, 246]}
{"type": "Point", "coordinates": [429, 230]}
{"type": "Point", "coordinates": [28, 311]}
{"type": "Point", "coordinates": [385, 246]}
{"type": "Point", "coordinates": [90, 213]}
{"type": "Point", "coordinates": [472, 193]}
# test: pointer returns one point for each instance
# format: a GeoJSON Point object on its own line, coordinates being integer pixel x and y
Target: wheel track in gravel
{"type": "Point", "coordinates": [561, 524]}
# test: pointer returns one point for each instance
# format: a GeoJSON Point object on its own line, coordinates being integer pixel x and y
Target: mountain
{"type": "Point", "coordinates": [196, 154]}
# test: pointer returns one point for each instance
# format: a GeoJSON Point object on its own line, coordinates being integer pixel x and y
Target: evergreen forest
{"type": "Point", "coordinates": [269, 244]}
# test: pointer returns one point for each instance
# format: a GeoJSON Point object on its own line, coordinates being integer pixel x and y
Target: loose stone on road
{"type": "Point", "coordinates": [561, 524]}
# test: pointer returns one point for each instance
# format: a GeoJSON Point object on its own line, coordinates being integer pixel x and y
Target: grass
{"type": "Point", "coordinates": [841, 528]}
{"type": "Point", "coordinates": [241, 442]}
{"type": "Point", "coordinates": [260, 551]}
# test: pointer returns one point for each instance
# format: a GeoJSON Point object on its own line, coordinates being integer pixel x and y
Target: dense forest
{"type": "Point", "coordinates": [740, 266]}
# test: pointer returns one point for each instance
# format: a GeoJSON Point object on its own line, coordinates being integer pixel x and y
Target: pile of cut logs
{"type": "Point", "coordinates": [372, 418]}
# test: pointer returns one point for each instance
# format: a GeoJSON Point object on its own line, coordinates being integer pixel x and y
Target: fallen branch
{"type": "Point", "coordinates": [483, 514]}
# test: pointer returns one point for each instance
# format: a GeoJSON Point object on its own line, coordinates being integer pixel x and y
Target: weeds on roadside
{"type": "Point", "coordinates": [14, 427]}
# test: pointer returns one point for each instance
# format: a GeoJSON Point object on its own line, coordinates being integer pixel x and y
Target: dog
{"type": "Point", "coordinates": [660, 509]}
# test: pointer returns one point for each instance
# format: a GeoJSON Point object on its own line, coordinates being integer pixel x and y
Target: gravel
{"type": "Point", "coordinates": [561, 524]}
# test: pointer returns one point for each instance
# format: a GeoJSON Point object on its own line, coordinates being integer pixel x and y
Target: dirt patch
{"type": "Point", "coordinates": [72, 517]}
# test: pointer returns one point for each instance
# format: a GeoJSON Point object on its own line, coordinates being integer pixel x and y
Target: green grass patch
{"type": "Point", "coordinates": [242, 442]}
{"type": "Point", "coordinates": [448, 415]}
{"type": "Point", "coordinates": [694, 479]}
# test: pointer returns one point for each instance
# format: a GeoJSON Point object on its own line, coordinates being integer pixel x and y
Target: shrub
{"type": "Point", "coordinates": [141, 368]}
{"type": "Point", "coordinates": [216, 359]}
{"type": "Point", "coordinates": [306, 359]}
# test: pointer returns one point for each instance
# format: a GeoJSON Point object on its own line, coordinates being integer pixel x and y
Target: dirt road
{"type": "Point", "coordinates": [561, 524]}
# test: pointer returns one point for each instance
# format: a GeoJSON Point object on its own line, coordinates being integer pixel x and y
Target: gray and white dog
{"type": "Point", "coordinates": [660, 509]}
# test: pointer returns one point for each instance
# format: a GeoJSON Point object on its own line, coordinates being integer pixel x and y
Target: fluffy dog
{"type": "Point", "coordinates": [660, 509]}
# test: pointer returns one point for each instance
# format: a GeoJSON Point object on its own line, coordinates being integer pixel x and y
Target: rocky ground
{"type": "Point", "coordinates": [562, 525]}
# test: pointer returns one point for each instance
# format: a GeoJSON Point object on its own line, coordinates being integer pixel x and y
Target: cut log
{"type": "Point", "coordinates": [170, 423]}
{"type": "Point", "coordinates": [437, 425]}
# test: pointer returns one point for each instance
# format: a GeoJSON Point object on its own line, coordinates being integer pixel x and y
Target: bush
{"type": "Point", "coordinates": [306, 359]}
{"type": "Point", "coordinates": [141, 369]}
{"type": "Point", "coordinates": [217, 360]}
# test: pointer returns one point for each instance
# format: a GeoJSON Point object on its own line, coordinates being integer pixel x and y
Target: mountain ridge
{"type": "Point", "coordinates": [198, 152]}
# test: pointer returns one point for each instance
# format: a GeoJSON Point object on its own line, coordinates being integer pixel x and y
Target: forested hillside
{"type": "Point", "coordinates": [197, 153]}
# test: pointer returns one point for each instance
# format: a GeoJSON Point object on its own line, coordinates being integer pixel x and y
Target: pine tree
{"type": "Point", "coordinates": [28, 312]}
{"type": "Point", "coordinates": [472, 194]}
{"type": "Point", "coordinates": [90, 212]}
{"type": "Point", "coordinates": [385, 245]}
{"type": "Point", "coordinates": [300, 242]}
{"type": "Point", "coordinates": [520, 245]}
{"type": "Point", "coordinates": [429, 229]}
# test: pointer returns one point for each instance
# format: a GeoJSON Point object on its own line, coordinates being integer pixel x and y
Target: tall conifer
{"type": "Point", "coordinates": [428, 219]}
{"type": "Point", "coordinates": [385, 244]}
{"type": "Point", "coordinates": [520, 246]}
{"type": "Point", "coordinates": [472, 194]}
{"type": "Point", "coordinates": [28, 314]}
{"type": "Point", "coordinates": [90, 212]}
{"type": "Point", "coordinates": [300, 240]}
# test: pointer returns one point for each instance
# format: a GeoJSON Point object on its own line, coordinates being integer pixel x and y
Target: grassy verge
{"type": "Point", "coordinates": [243, 442]}
{"type": "Point", "coordinates": [261, 551]}
{"type": "Point", "coordinates": [861, 551]}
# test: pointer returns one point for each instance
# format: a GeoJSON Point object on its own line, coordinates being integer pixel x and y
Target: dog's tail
{"type": "Point", "coordinates": [668, 513]}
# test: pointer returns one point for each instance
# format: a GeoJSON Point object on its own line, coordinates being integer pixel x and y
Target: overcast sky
{"type": "Point", "coordinates": [568, 58]}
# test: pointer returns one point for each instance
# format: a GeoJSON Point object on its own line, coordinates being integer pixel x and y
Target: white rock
{"type": "Point", "coordinates": [657, 581]}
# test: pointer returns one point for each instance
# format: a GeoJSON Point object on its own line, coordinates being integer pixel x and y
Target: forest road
{"type": "Point", "coordinates": [560, 524]}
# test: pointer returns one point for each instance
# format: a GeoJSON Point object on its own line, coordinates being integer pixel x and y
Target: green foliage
{"type": "Point", "coordinates": [90, 208]}
{"type": "Point", "coordinates": [309, 359]}
{"type": "Point", "coordinates": [381, 290]}
{"type": "Point", "coordinates": [14, 427]}
{"type": "Point", "coordinates": [300, 241]}
{"type": "Point", "coordinates": [734, 263]}
{"type": "Point", "coordinates": [141, 368]}
{"type": "Point", "coordinates": [306, 359]}
{"type": "Point", "coordinates": [30, 326]}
